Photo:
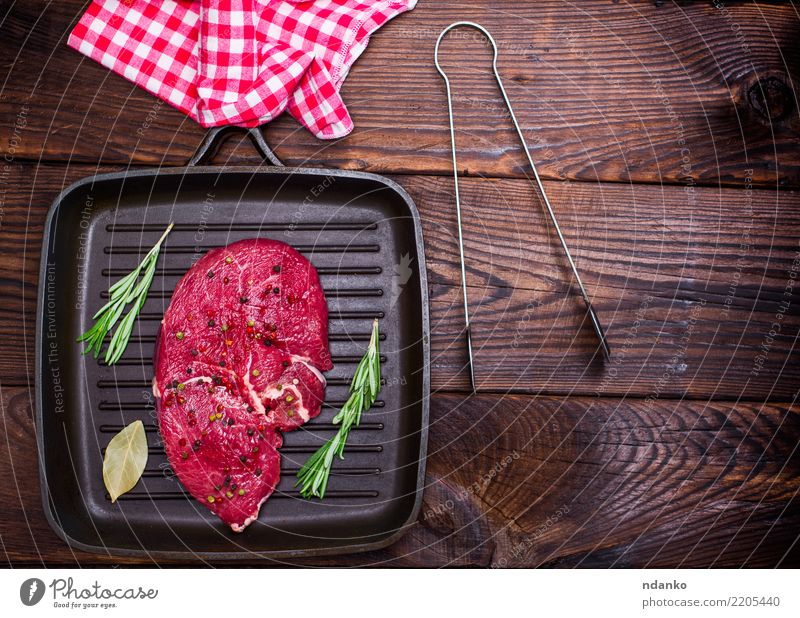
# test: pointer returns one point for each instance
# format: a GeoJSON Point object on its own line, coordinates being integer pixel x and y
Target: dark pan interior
{"type": "Point", "coordinates": [363, 235]}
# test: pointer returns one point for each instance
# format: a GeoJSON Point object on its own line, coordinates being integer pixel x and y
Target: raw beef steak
{"type": "Point", "coordinates": [239, 359]}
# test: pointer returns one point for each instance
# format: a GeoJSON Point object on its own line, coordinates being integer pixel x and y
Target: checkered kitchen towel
{"type": "Point", "coordinates": [240, 62]}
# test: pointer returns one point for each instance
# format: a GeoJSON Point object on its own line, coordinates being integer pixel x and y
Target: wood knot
{"type": "Point", "coordinates": [771, 98]}
{"type": "Point", "coordinates": [452, 529]}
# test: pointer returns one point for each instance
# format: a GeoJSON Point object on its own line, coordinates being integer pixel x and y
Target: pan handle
{"type": "Point", "coordinates": [215, 136]}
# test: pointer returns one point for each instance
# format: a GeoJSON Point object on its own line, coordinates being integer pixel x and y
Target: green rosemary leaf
{"type": "Point", "coordinates": [132, 290]}
{"type": "Point", "coordinates": [124, 282]}
{"type": "Point", "coordinates": [364, 388]}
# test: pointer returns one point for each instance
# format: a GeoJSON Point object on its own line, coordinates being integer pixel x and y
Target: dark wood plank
{"type": "Point", "coordinates": [525, 481]}
{"type": "Point", "coordinates": [609, 91]}
{"type": "Point", "coordinates": [688, 301]}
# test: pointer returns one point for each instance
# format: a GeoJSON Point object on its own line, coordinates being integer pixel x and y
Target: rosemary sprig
{"type": "Point", "coordinates": [364, 389]}
{"type": "Point", "coordinates": [130, 289]}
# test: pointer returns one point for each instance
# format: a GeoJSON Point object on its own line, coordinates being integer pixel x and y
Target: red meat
{"type": "Point", "coordinates": [239, 359]}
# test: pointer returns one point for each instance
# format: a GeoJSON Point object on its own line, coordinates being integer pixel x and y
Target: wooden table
{"type": "Point", "coordinates": [669, 138]}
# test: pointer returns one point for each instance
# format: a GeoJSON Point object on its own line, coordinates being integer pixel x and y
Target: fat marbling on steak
{"type": "Point", "coordinates": [239, 359]}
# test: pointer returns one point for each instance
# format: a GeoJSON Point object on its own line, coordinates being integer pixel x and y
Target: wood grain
{"type": "Point", "coordinates": [535, 481]}
{"type": "Point", "coordinates": [688, 289]}
{"type": "Point", "coordinates": [608, 91]}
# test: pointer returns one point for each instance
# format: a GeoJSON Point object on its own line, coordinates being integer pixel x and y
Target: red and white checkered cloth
{"type": "Point", "coordinates": [240, 62]}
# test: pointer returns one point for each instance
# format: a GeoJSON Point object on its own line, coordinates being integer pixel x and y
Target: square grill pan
{"type": "Point", "coordinates": [363, 234]}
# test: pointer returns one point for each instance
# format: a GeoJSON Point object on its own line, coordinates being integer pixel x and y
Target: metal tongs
{"type": "Point", "coordinates": [598, 329]}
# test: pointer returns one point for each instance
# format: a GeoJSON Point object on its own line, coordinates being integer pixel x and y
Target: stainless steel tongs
{"type": "Point", "coordinates": [598, 329]}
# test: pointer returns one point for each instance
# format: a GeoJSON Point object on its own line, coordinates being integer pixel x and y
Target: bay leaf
{"type": "Point", "coordinates": [126, 457]}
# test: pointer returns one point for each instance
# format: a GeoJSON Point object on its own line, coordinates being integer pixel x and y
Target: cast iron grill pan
{"type": "Point", "coordinates": [360, 231]}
